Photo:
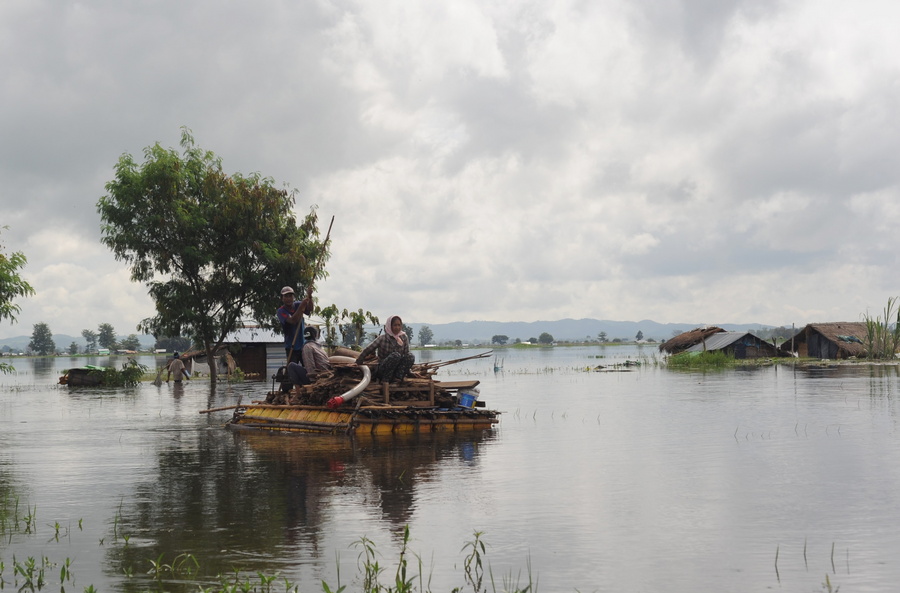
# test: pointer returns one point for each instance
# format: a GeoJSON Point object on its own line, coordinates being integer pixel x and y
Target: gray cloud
{"type": "Point", "coordinates": [483, 160]}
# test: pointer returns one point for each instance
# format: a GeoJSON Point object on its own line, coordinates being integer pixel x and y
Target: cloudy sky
{"type": "Point", "coordinates": [709, 161]}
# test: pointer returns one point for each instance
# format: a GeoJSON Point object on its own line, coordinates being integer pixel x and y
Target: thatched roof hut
{"type": "Point", "coordinates": [685, 340]}
{"type": "Point", "coordinates": [843, 339]}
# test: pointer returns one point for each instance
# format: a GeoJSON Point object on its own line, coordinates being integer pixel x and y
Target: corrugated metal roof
{"type": "Point", "coordinates": [718, 341]}
{"type": "Point", "coordinates": [254, 335]}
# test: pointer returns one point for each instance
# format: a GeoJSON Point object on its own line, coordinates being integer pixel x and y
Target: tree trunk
{"type": "Point", "coordinates": [211, 359]}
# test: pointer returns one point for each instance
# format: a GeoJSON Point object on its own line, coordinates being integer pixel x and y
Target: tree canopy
{"type": "Point", "coordinates": [425, 335]}
{"type": "Point", "coordinates": [212, 248]}
{"type": "Point", "coordinates": [131, 342]}
{"type": "Point", "coordinates": [11, 287]}
{"type": "Point", "coordinates": [42, 340]}
{"type": "Point", "coordinates": [11, 284]}
{"type": "Point", "coordinates": [499, 339]}
{"type": "Point", "coordinates": [91, 338]}
{"type": "Point", "coordinates": [106, 336]}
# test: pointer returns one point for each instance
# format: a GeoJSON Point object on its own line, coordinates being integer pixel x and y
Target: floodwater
{"type": "Point", "coordinates": [618, 479]}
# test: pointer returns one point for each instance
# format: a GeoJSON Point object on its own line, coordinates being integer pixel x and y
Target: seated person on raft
{"type": "Point", "coordinates": [315, 361]}
{"type": "Point", "coordinates": [392, 350]}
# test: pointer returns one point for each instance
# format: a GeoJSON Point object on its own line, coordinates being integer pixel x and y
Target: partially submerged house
{"type": "Point", "coordinates": [739, 344]}
{"type": "Point", "coordinates": [843, 339]}
{"type": "Point", "coordinates": [710, 339]}
{"type": "Point", "coordinates": [685, 340]}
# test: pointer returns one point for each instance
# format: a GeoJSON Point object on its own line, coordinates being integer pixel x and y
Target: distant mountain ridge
{"type": "Point", "coordinates": [63, 341]}
{"type": "Point", "coordinates": [566, 329]}
{"type": "Point", "coordinates": [475, 332]}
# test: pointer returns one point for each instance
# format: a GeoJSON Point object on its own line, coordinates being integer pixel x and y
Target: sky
{"type": "Point", "coordinates": [708, 161]}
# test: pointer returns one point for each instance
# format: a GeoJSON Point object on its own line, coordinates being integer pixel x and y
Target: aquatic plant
{"type": "Point", "coordinates": [883, 333]}
{"type": "Point", "coordinates": [183, 564]}
{"type": "Point", "coordinates": [130, 375]}
{"type": "Point", "coordinates": [700, 360]}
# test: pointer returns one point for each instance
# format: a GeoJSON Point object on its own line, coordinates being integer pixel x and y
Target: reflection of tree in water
{"type": "Point", "coordinates": [240, 499]}
{"type": "Point", "coordinates": [216, 500]}
{"type": "Point", "coordinates": [42, 366]}
{"type": "Point", "coordinates": [398, 467]}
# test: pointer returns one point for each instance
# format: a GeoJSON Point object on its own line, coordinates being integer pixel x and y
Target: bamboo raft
{"type": "Point", "coordinates": [416, 405]}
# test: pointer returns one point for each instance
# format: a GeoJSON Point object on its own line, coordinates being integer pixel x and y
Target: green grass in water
{"type": "Point", "coordinates": [700, 360]}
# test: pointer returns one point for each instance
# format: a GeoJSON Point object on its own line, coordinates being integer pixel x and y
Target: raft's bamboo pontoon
{"type": "Point", "coordinates": [362, 420]}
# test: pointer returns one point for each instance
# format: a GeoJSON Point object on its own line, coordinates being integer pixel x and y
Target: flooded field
{"type": "Point", "coordinates": [615, 479]}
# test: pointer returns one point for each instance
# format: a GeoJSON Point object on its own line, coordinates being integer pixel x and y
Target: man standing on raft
{"type": "Point", "coordinates": [290, 315]}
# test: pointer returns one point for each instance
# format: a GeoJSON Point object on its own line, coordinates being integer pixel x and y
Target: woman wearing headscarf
{"type": "Point", "coordinates": [392, 350]}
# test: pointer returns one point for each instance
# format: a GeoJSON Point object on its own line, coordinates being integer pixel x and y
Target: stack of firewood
{"type": "Point", "coordinates": [342, 379]}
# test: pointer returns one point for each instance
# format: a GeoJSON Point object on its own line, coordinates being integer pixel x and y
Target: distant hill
{"type": "Point", "coordinates": [565, 329]}
{"type": "Point", "coordinates": [481, 332]}
{"type": "Point", "coordinates": [63, 341]}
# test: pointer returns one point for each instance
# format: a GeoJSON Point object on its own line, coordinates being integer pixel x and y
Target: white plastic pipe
{"type": "Point", "coordinates": [336, 402]}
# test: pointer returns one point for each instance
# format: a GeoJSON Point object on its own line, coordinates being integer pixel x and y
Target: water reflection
{"type": "Point", "coordinates": [634, 477]}
{"type": "Point", "coordinates": [230, 497]}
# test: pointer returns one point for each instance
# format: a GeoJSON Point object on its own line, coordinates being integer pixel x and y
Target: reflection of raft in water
{"type": "Point", "coordinates": [345, 401]}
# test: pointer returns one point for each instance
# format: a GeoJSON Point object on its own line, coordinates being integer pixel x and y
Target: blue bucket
{"type": "Point", "coordinates": [466, 400]}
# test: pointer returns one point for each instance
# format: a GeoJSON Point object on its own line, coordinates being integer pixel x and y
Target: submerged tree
{"type": "Point", "coordinates": [211, 247]}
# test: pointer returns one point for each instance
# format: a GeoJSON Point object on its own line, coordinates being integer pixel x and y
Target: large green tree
{"type": "Point", "coordinates": [106, 336]}
{"type": "Point", "coordinates": [177, 344]}
{"type": "Point", "coordinates": [425, 335]}
{"type": "Point", "coordinates": [132, 342]}
{"type": "Point", "coordinates": [212, 248]}
{"type": "Point", "coordinates": [42, 340]}
{"type": "Point", "coordinates": [11, 287]}
{"type": "Point", "coordinates": [91, 338]}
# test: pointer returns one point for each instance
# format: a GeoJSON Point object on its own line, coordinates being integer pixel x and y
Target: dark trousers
{"type": "Point", "coordinates": [297, 374]}
{"type": "Point", "coordinates": [395, 367]}
{"type": "Point", "coordinates": [293, 355]}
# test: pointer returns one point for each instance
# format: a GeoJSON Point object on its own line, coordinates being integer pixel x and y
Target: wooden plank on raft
{"type": "Point", "coordinates": [411, 387]}
{"type": "Point", "coordinates": [450, 385]}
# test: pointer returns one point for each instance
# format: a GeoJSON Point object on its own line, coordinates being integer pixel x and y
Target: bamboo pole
{"type": "Point", "coordinates": [312, 282]}
{"type": "Point", "coordinates": [442, 363]}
